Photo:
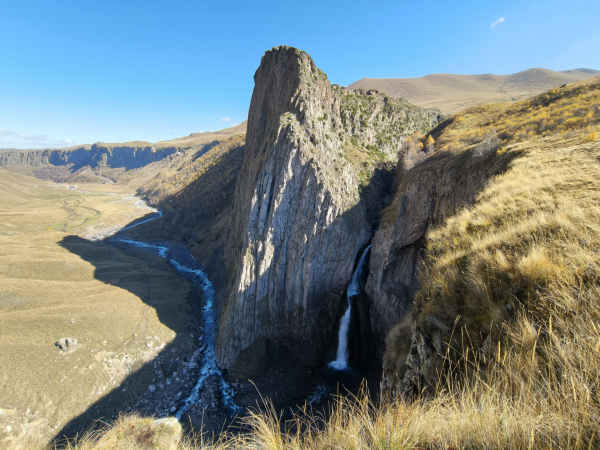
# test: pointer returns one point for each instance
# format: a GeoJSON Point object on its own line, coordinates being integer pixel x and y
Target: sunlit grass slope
{"type": "Point", "coordinates": [573, 107]}
{"type": "Point", "coordinates": [531, 241]}
{"type": "Point", "coordinates": [54, 284]}
{"type": "Point", "coordinates": [512, 284]}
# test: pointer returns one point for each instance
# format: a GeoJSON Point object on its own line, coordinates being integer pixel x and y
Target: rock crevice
{"type": "Point", "coordinates": [426, 195]}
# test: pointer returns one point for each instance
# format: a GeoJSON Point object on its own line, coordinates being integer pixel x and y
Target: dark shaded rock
{"type": "Point", "coordinates": [426, 195]}
{"type": "Point", "coordinates": [252, 362]}
{"type": "Point", "coordinates": [95, 155]}
{"type": "Point", "coordinates": [299, 219]}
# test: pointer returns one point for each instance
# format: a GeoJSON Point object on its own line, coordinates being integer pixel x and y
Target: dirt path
{"type": "Point", "coordinates": [76, 210]}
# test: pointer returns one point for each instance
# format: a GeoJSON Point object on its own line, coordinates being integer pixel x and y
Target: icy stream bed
{"type": "Point", "coordinates": [185, 264]}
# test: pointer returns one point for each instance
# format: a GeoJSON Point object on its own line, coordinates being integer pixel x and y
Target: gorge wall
{"type": "Point", "coordinates": [428, 193]}
{"type": "Point", "coordinates": [299, 219]}
{"type": "Point", "coordinates": [97, 156]}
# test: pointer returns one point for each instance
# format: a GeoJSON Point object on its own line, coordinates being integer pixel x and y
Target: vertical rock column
{"type": "Point", "coordinates": [297, 221]}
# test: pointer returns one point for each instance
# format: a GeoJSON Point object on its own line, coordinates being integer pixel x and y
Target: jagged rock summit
{"type": "Point", "coordinates": [298, 219]}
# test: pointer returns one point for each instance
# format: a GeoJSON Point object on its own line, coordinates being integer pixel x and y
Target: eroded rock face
{"type": "Point", "coordinates": [95, 155]}
{"type": "Point", "coordinates": [427, 194]}
{"type": "Point", "coordinates": [298, 220]}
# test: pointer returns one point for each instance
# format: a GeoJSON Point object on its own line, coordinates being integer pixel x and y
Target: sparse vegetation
{"type": "Point", "coordinates": [511, 284]}
{"type": "Point", "coordinates": [560, 110]}
{"type": "Point", "coordinates": [56, 284]}
{"type": "Point", "coordinates": [199, 191]}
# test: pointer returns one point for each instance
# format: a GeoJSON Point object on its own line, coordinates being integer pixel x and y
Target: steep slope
{"type": "Point", "coordinates": [465, 159]}
{"type": "Point", "coordinates": [95, 156]}
{"type": "Point", "coordinates": [451, 93]}
{"type": "Point", "coordinates": [492, 256]}
{"type": "Point", "coordinates": [428, 193]}
{"type": "Point", "coordinates": [298, 220]}
{"type": "Point", "coordinates": [196, 197]}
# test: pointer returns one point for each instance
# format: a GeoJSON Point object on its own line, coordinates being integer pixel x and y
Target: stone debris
{"type": "Point", "coordinates": [66, 343]}
{"type": "Point", "coordinates": [151, 388]}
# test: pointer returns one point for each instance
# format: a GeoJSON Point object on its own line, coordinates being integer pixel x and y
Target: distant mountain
{"type": "Point", "coordinates": [191, 140]}
{"type": "Point", "coordinates": [450, 93]}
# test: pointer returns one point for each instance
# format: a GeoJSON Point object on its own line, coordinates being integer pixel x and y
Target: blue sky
{"type": "Point", "coordinates": [75, 72]}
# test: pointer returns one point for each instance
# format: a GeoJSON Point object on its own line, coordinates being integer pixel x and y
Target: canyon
{"type": "Point", "coordinates": [309, 224]}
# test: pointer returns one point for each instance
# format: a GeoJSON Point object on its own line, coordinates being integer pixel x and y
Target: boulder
{"type": "Point", "coordinates": [66, 343]}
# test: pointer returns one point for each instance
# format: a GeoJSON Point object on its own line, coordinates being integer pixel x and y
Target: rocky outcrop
{"type": "Point", "coordinates": [426, 194]}
{"type": "Point", "coordinates": [97, 156]}
{"type": "Point", "coordinates": [298, 219]}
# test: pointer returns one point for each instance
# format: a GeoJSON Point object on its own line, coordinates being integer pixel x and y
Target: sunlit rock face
{"type": "Point", "coordinates": [298, 221]}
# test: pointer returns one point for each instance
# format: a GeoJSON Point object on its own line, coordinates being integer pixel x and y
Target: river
{"type": "Point", "coordinates": [187, 266]}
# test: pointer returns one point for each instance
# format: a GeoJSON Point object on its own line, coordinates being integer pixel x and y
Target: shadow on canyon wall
{"type": "Point", "coordinates": [375, 196]}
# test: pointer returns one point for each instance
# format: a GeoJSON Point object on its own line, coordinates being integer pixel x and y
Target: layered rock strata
{"type": "Point", "coordinates": [298, 220]}
{"type": "Point", "coordinates": [97, 156]}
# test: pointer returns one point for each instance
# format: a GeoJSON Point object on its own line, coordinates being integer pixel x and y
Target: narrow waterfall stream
{"type": "Point", "coordinates": [341, 361]}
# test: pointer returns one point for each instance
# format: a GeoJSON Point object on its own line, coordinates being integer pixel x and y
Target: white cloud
{"type": "Point", "coordinates": [33, 137]}
{"type": "Point", "coordinates": [226, 119]}
{"type": "Point", "coordinates": [66, 141]}
{"type": "Point", "coordinates": [5, 132]}
{"type": "Point", "coordinates": [497, 22]}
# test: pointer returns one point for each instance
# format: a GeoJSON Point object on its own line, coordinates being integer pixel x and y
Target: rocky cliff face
{"type": "Point", "coordinates": [298, 220]}
{"type": "Point", "coordinates": [97, 156]}
{"type": "Point", "coordinates": [427, 194]}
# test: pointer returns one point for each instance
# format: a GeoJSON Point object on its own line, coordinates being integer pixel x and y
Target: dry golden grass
{"type": "Point", "coordinates": [531, 240]}
{"type": "Point", "coordinates": [131, 432]}
{"type": "Point", "coordinates": [522, 268]}
{"type": "Point", "coordinates": [54, 284]}
{"type": "Point", "coordinates": [560, 110]}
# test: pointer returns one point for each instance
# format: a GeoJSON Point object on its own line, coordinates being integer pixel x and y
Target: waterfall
{"type": "Point", "coordinates": [341, 361]}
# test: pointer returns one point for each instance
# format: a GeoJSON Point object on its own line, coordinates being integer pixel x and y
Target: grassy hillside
{"type": "Point", "coordinates": [483, 129]}
{"type": "Point", "coordinates": [196, 199]}
{"type": "Point", "coordinates": [451, 93]}
{"type": "Point", "coordinates": [510, 287]}
{"type": "Point", "coordinates": [510, 284]}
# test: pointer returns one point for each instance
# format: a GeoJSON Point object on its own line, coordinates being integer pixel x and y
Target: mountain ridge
{"type": "Point", "coordinates": [450, 93]}
{"type": "Point", "coordinates": [188, 141]}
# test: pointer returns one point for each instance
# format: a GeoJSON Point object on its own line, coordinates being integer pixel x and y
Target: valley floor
{"type": "Point", "coordinates": [123, 309]}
